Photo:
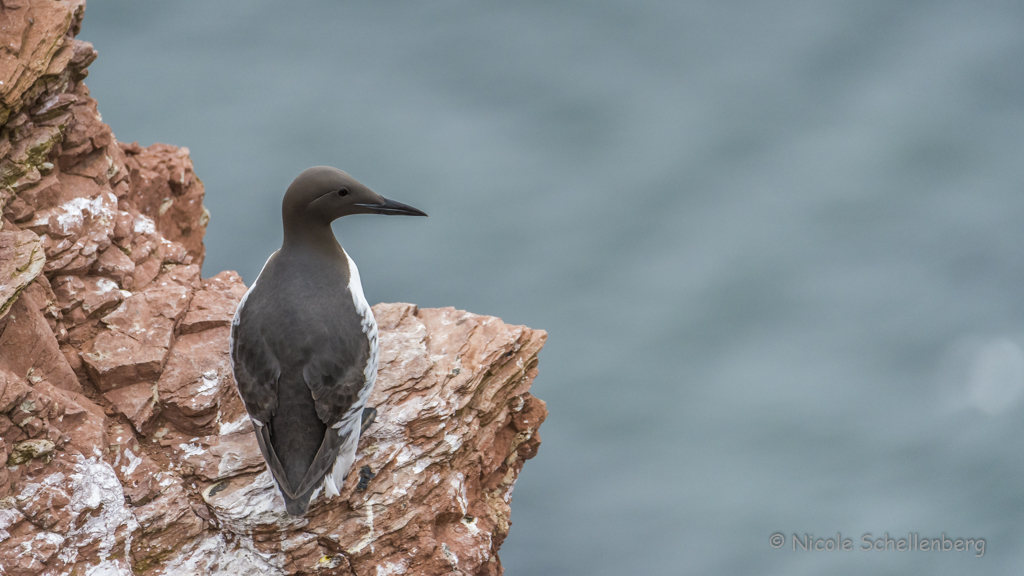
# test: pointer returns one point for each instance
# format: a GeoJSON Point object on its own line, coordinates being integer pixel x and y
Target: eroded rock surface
{"type": "Point", "coordinates": [127, 449]}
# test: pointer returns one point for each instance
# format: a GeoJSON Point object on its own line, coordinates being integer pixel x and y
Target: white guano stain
{"type": "Point", "coordinates": [72, 214]}
{"type": "Point", "coordinates": [453, 440]}
{"type": "Point", "coordinates": [105, 285]}
{"type": "Point", "coordinates": [368, 537]}
{"type": "Point", "coordinates": [393, 568]}
{"type": "Point", "coordinates": [143, 225]}
{"type": "Point", "coordinates": [452, 558]}
{"type": "Point", "coordinates": [109, 568]}
{"type": "Point", "coordinates": [31, 490]}
{"type": "Point", "coordinates": [216, 556]}
{"type": "Point", "coordinates": [98, 499]}
{"type": "Point", "coordinates": [190, 449]}
{"type": "Point", "coordinates": [8, 517]}
{"type": "Point", "coordinates": [209, 383]}
{"type": "Point", "coordinates": [242, 510]}
{"type": "Point", "coordinates": [459, 484]}
{"type": "Point", "coordinates": [133, 462]}
{"type": "Point", "coordinates": [421, 465]}
{"type": "Point", "coordinates": [232, 427]}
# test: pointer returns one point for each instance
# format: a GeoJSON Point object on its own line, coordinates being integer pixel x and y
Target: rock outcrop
{"type": "Point", "coordinates": [127, 449]}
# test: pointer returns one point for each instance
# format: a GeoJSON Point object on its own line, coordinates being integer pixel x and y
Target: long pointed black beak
{"type": "Point", "coordinates": [392, 208]}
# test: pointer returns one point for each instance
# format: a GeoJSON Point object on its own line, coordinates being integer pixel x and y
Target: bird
{"type": "Point", "coordinates": [303, 343]}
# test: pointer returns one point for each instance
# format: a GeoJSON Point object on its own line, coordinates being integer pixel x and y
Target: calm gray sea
{"type": "Point", "coordinates": [778, 246]}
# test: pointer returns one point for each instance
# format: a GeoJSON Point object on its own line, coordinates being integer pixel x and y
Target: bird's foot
{"type": "Point", "coordinates": [365, 475]}
{"type": "Point", "coordinates": [369, 416]}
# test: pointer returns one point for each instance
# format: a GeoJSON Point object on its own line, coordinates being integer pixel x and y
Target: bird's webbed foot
{"type": "Point", "coordinates": [369, 416]}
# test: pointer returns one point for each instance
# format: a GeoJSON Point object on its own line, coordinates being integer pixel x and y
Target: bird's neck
{"type": "Point", "coordinates": [311, 237]}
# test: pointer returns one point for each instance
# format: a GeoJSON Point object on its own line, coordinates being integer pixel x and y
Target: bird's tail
{"type": "Point", "coordinates": [298, 506]}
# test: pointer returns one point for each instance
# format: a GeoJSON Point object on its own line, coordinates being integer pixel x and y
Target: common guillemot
{"type": "Point", "coordinates": [304, 341]}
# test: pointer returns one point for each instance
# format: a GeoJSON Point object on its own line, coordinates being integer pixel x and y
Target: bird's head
{"type": "Point", "coordinates": [323, 194]}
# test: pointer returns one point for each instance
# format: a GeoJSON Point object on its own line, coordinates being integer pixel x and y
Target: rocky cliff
{"type": "Point", "coordinates": [127, 448]}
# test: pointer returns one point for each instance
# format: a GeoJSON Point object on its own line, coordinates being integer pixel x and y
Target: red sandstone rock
{"type": "Point", "coordinates": [138, 402]}
{"type": "Point", "coordinates": [165, 189]}
{"type": "Point", "coordinates": [136, 344]}
{"type": "Point", "coordinates": [214, 305]}
{"type": "Point", "coordinates": [12, 390]}
{"type": "Point", "coordinates": [127, 447]}
{"type": "Point", "coordinates": [196, 380]}
{"type": "Point", "coordinates": [28, 344]}
{"type": "Point", "coordinates": [21, 260]}
{"type": "Point", "coordinates": [33, 33]}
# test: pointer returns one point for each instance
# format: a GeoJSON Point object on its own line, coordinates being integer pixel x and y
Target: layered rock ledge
{"type": "Point", "coordinates": [127, 449]}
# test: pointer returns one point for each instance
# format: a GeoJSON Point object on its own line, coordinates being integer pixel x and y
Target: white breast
{"type": "Point", "coordinates": [355, 288]}
{"type": "Point", "coordinates": [352, 420]}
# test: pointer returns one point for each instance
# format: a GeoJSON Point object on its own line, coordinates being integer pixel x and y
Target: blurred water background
{"type": "Point", "coordinates": [777, 245]}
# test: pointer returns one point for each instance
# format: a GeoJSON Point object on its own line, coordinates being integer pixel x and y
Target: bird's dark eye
{"type": "Point", "coordinates": [343, 192]}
